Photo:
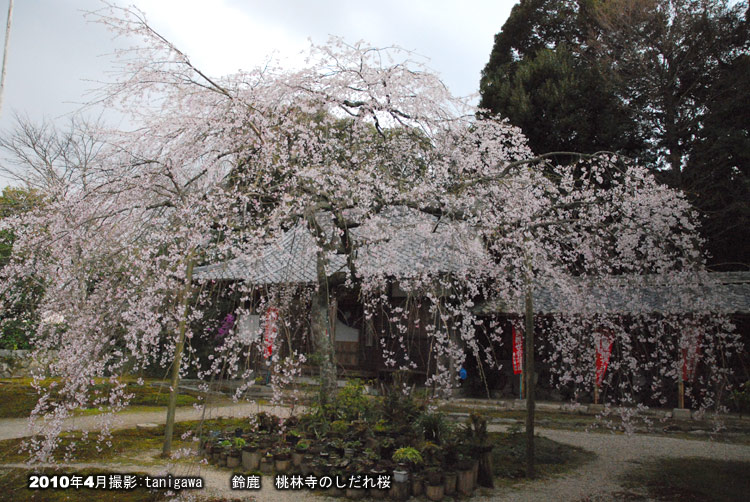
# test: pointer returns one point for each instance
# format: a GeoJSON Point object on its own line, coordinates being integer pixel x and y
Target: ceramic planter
{"type": "Point", "coordinates": [400, 476]}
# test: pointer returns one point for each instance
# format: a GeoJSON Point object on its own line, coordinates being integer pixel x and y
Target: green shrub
{"type": "Point", "coordinates": [433, 426]}
{"type": "Point", "coordinates": [408, 455]}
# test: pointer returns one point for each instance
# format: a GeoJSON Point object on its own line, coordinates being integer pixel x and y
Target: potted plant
{"type": "Point", "coordinates": [267, 422]}
{"type": "Point", "coordinates": [293, 436]}
{"type": "Point", "coordinates": [234, 457]}
{"type": "Point", "coordinates": [337, 475]}
{"type": "Point", "coordinates": [266, 463]}
{"type": "Point", "coordinates": [410, 457]}
{"type": "Point", "coordinates": [381, 428]}
{"type": "Point", "coordinates": [387, 447]}
{"type": "Point", "coordinates": [350, 448]}
{"type": "Point", "coordinates": [433, 475]}
{"type": "Point", "coordinates": [300, 449]}
{"type": "Point", "coordinates": [338, 445]}
{"type": "Point", "coordinates": [377, 493]}
{"type": "Point", "coordinates": [431, 453]}
{"type": "Point", "coordinates": [400, 474]}
{"type": "Point", "coordinates": [224, 447]}
{"type": "Point", "coordinates": [450, 482]}
{"type": "Point", "coordinates": [282, 458]}
{"type": "Point", "coordinates": [434, 488]}
{"type": "Point", "coordinates": [251, 457]}
{"type": "Point", "coordinates": [338, 428]}
{"type": "Point", "coordinates": [465, 481]}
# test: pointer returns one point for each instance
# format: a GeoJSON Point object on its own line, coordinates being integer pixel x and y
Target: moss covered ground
{"type": "Point", "coordinates": [691, 480]}
{"type": "Point", "coordinates": [18, 397]}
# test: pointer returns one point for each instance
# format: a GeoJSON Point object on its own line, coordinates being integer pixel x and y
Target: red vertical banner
{"type": "Point", "coordinates": [271, 328]}
{"type": "Point", "coordinates": [691, 352]}
{"type": "Point", "coordinates": [603, 341]}
{"type": "Point", "coordinates": [517, 352]}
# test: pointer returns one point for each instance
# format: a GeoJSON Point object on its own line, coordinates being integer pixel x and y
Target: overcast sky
{"type": "Point", "coordinates": [56, 56]}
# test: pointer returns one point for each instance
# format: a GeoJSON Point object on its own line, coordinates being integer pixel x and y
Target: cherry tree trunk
{"type": "Point", "coordinates": [321, 332]}
{"type": "Point", "coordinates": [176, 363]}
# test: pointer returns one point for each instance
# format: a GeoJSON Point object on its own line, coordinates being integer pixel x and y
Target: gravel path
{"type": "Point", "coordinates": [616, 453]}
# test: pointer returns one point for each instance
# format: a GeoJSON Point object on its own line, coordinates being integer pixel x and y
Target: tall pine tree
{"type": "Point", "coordinates": [662, 81]}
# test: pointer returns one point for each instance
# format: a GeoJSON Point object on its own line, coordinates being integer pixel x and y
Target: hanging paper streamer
{"type": "Point", "coordinates": [603, 341]}
{"type": "Point", "coordinates": [272, 317]}
{"type": "Point", "coordinates": [517, 352]}
{"type": "Point", "coordinates": [691, 354]}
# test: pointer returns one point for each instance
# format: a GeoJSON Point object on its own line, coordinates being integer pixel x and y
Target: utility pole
{"type": "Point", "coordinates": [5, 53]}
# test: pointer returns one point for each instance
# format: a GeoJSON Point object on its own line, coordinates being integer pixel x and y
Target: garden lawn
{"type": "Point", "coordinates": [692, 479]}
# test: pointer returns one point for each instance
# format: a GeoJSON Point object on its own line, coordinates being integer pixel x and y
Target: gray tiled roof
{"type": "Point", "coordinates": [398, 242]}
{"type": "Point", "coordinates": [723, 292]}
{"type": "Point", "coordinates": [289, 260]}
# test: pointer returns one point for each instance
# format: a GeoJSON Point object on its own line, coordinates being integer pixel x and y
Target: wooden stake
{"type": "Point", "coordinates": [680, 393]}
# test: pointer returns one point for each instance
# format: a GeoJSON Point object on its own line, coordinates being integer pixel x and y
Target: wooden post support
{"type": "Point", "coordinates": [529, 372]}
{"type": "Point", "coordinates": [596, 394]}
{"type": "Point", "coordinates": [681, 393]}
